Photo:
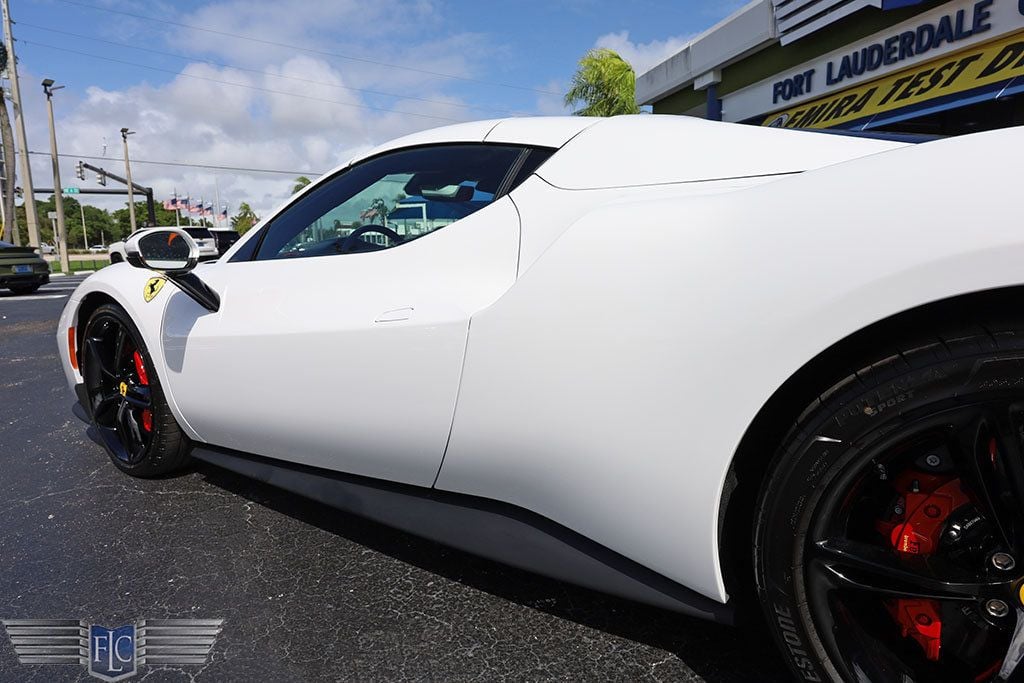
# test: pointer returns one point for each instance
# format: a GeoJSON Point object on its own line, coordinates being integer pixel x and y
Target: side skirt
{"type": "Point", "coordinates": [499, 531]}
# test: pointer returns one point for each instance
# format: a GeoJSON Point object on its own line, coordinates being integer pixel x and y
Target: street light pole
{"type": "Point", "coordinates": [128, 175]}
{"type": "Point", "coordinates": [31, 215]}
{"type": "Point", "coordinates": [58, 195]}
{"type": "Point", "coordinates": [85, 235]}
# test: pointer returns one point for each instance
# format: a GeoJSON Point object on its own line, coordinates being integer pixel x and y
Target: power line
{"type": "Point", "coordinates": [186, 164]}
{"type": "Point", "coordinates": [309, 50]}
{"type": "Point", "coordinates": [241, 85]}
{"type": "Point", "coordinates": [262, 72]}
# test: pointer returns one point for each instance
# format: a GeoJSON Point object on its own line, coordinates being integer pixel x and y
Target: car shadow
{"type": "Point", "coordinates": [713, 651]}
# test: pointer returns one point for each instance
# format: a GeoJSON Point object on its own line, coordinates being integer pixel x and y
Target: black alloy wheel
{"type": "Point", "coordinates": [125, 400]}
{"type": "Point", "coordinates": [890, 536]}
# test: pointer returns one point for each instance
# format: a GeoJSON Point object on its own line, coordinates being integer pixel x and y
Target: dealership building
{"type": "Point", "coordinates": [894, 65]}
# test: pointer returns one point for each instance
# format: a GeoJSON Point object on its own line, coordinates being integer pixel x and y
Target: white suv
{"type": "Point", "coordinates": [203, 239]}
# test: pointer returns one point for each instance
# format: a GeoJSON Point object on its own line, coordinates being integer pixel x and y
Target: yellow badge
{"type": "Point", "coordinates": [152, 288]}
{"type": "Point", "coordinates": [123, 389]}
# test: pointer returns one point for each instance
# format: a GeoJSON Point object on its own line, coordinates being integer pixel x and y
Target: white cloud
{"type": "Point", "coordinates": [283, 109]}
{"type": "Point", "coordinates": [642, 56]}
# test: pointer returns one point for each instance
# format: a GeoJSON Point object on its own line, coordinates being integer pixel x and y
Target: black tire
{"type": "Point", "coordinates": [167, 448]}
{"type": "Point", "coordinates": [826, 475]}
{"type": "Point", "coordinates": [24, 289]}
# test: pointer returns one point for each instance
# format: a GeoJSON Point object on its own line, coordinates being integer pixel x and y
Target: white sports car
{"type": "Point", "coordinates": [700, 365]}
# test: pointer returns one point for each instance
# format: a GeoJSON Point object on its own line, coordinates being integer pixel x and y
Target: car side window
{"type": "Point", "coordinates": [392, 199]}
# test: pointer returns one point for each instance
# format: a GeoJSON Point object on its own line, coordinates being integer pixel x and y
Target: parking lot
{"type": "Point", "coordinates": [307, 593]}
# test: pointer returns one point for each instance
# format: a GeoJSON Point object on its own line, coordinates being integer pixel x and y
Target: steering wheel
{"type": "Point", "coordinates": [349, 242]}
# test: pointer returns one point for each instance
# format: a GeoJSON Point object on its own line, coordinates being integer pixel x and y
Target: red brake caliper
{"type": "Point", "coordinates": [140, 370]}
{"type": "Point", "coordinates": [925, 503]}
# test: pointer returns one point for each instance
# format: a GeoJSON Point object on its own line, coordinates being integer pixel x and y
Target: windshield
{"type": "Point", "coordinates": [198, 233]}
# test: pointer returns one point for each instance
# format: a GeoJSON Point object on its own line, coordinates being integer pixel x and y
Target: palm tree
{"type": "Point", "coordinates": [10, 228]}
{"type": "Point", "coordinates": [380, 208]}
{"type": "Point", "coordinates": [300, 183]}
{"type": "Point", "coordinates": [604, 83]}
{"type": "Point", "coordinates": [245, 219]}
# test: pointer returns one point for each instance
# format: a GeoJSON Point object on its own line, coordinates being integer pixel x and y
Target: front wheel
{"type": "Point", "coordinates": [889, 538]}
{"type": "Point", "coordinates": [24, 289]}
{"type": "Point", "coordinates": [125, 400]}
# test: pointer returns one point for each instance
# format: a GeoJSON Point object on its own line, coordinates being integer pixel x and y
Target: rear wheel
{"type": "Point", "coordinates": [24, 289]}
{"type": "Point", "coordinates": [889, 540]}
{"type": "Point", "coordinates": [125, 400]}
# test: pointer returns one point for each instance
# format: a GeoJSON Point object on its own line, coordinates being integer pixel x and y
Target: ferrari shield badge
{"type": "Point", "coordinates": [152, 288]}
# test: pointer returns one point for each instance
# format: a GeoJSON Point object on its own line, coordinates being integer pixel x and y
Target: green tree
{"type": "Point", "coordinates": [164, 218]}
{"type": "Point", "coordinates": [604, 83]}
{"type": "Point", "coordinates": [300, 183]}
{"type": "Point", "coordinates": [45, 230]}
{"type": "Point", "coordinates": [72, 222]}
{"type": "Point", "coordinates": [99, 226]}
{"type": "Point", "coordinates": [244, 219]}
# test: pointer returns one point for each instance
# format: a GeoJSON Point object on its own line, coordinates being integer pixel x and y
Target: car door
{"type": "Point", "coordinates": [342, 327]}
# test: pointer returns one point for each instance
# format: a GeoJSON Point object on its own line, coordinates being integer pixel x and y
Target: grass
{"type": "Point", "coordinates": [76, 266]}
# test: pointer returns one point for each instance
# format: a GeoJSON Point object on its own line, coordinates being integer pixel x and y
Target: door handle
{"type": "Point", "coordinates": [394, 315]}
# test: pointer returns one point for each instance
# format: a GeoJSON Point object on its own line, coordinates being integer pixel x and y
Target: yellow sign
{"type": "Point", "coordinates": [977, 67]}
{"type": "Point", "coordinates": [123, 389]}
{"type": "Point", "coordinates": [152, 288]}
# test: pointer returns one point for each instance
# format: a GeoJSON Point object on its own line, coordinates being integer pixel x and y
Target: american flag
{"type": "Point", "coordinates": [183, 203]}
{"type": "Point", "coordinates": [171, 204]}
{"type": "Point", "coordinates": [208, 210]}
{"type": "Point", "coordinates": [224, 212]}
{"type": "Point", "coordinates": [196, 208]}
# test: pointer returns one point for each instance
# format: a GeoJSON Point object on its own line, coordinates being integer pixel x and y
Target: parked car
{"type": "Point", "coordinates": [224, 238]}
{"type": "Point", "coordinates": [202, 237]}
{"type": "Point", "coordinates": [46, 248]}
{"type": "Point", "coordinates": [22, 269]}
{"type": "Point", "coordinates": [708, 366]}
{"type": "Point", "coordinates": [98, 248]}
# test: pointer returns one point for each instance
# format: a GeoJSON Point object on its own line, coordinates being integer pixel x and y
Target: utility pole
{"type": "Point", "coordinates": [31, 216]}
{"type": "Point", "coordinates": [85, 235]}
{"type": "Point", "coordinates": [80, 174]}
{"type": "Point", "coordinates": [58, 194]}
{"type": "Point", "coordinates": [128, 174]}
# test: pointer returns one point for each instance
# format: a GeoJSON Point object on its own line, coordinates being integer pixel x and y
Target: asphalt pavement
{"type": "Point", "coordinates": [306, 593]}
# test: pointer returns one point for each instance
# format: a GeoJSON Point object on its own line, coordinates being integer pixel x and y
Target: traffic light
{"type": "Point", "coordinates": [101, 178]}
{"type": "Point", "coordinates": [80, 170]}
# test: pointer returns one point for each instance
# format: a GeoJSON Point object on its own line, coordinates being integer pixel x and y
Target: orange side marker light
{"type": "Point", "coordinates": [72, 352]}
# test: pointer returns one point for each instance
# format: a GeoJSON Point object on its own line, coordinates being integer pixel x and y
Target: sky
{"type": "Point", "coordinates": [299, 86]}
